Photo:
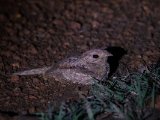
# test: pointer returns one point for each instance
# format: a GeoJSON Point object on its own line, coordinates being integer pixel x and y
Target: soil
{"type": "Point", "coordinates": [40, 33]}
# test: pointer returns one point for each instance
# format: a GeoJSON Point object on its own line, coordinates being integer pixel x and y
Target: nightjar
{"type": "Point", "coordinates": [83, 69]}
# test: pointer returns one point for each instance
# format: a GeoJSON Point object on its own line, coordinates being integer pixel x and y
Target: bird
{"type": "Point", "coordinates": [84, 69]}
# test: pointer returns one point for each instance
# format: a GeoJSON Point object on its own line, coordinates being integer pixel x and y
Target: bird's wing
{"type": "Point", "coordinates": [69, 62]}
{"type": "Point", "coordinates": [36, 71]}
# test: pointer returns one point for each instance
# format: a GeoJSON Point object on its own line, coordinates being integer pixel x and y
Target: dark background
{"type": "Point", "coordinates": [36, 33]}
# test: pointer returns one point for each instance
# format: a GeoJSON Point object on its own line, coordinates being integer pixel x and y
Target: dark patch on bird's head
{"type": "Point", "coordinates": [113, 61]}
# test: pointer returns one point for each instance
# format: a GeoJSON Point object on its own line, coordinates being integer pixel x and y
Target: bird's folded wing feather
{"type": "Point", "coordinates": [36, 71]}
{"type": "Point", "coordinates": [69, 62]}
{"type": "Point", "coordinates": [64, 64]}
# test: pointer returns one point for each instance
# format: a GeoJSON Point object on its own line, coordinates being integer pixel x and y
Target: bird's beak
{"type": "Point", "coordinates": [109, 54]}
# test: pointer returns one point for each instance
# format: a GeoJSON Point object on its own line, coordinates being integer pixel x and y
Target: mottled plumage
{"type": "Point", "coordinates": [82, 70]}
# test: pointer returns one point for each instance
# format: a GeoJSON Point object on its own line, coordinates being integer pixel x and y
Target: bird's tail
{"type": "Point", "coordinates": [36, 71]}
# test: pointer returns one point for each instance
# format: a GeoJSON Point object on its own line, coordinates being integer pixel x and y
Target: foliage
{"type": "Point", "coordinates": [126, 98]}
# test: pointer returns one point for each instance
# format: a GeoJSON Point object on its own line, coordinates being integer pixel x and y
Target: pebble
{"type": "Point", "coordinates": [75, 25]}
{"type": "Point", "coordinates": [14, 78]}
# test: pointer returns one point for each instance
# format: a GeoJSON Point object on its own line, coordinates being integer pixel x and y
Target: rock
{"type": "Point", "coordinates": [14, 78]}
{"type": "Point", "coordinates": [95, 24]}
{"type": "Point", "coordinates": [75, 25]}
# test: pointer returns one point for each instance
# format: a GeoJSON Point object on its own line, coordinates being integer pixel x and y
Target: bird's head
{"type": "Point", "coordinates": [96, 56]}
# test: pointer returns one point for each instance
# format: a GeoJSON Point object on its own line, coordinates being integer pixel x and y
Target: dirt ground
{"type": "Point", "coordinates": [40, 33]}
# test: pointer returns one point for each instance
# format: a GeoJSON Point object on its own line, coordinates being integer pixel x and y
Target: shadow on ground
{"type": "Point", "coordinates": [113, 61]}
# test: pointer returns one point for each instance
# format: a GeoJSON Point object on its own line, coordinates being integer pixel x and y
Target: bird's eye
{"type": "Point", "coordinates": [95, 56]}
